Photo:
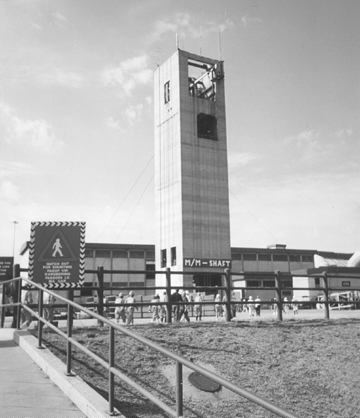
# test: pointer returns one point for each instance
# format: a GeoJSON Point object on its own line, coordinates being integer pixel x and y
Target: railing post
{"type": "Point", "coordinates": [326, 293]}
{"type": "Point", "coordinates": [179, 390]}
{"type": "Point", "coordinates": [111, 374]}
{"type": "Point", "coordinates": [40, 313]}
{"type": "Point", "coordinates": [141, 307]}
{"type": "Point", "coordinates": [100, 292]}
{"type": "Point", "coordinates": [168, 295]}
{"type": "Point", "coordinates": [69, 334]}
{"type": "Point", "coordinates": [279, 296]}
{"type": "Point", "coordinates": [228, 295]}
{"type": "Point", "coordinates": [3, 309]}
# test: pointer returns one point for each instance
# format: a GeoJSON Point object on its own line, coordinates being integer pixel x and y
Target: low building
{"type": "Point", "coordinates": [254, 266]}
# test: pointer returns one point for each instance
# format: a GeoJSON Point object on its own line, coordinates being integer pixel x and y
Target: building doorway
{"type": "Point", "coordinates": [208, 279]}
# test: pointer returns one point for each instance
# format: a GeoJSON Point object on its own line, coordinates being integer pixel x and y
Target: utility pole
{"type": "Point", "coordinates": [13, 254]}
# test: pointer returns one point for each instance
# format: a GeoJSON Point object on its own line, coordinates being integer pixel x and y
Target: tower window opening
{"type": "Point", "coordinates": [173, 256]}
{"type": "Point", "coordinates": [167, 92]}
{"type": "Point", "coordinates": [206, 126]}
{"type": "Point", "coordinates": [163, 258]}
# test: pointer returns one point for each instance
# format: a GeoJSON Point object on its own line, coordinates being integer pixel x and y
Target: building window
{"type": "Point", "coordinates": [264, 257]}
{"type": "Point", "coordinates": [236, 256]}
{"type": "Point", "coordinates": [269, 283]}
{"type": "Point", "coordinates": [167, 92]}
{"type": "Point", "coordinates": [137, 254]}
{"type": "Point", "coordinates": [286, 283]}
{"type": "Point", "coordinates": [120, 254]}
{"type": "Point", "coordinates": [280, 257]}
{"type": "Point", "coordinates": [163, 258]}
{"type": "Point", "coordinates": [89, 253]}
{"type": "Point", "coordinates": [86, 289]}
{"type": "Point", "coordinates": [250, 257]}
{"type": "Point", "coordinates": [206, 126]}
{"type": "Point", "coordinates": [307, 258]}
{"type": "Point", "coordinates": [173, 256]}
{"type": "Point", "coordinates": [150, 271]}
{"type": "Point", "coordinates": [253, 283]}
{"type": "Point", "coordinates": [102, 253]}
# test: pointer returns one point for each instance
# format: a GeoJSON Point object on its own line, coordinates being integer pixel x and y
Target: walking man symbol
{"type": "Point", "coordinates": [57, 248]}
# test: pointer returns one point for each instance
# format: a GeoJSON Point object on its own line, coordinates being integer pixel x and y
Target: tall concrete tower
{"type": "Point", "coordinates": [191, 171]}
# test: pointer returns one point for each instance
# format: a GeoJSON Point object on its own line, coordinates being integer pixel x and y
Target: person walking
{"type": "Point", "coordinates": [176, 298]}
{"type": "Point", "coordinates": [198, 307]}
{"type": "Point", "coordinates": [218, 307]}
{"type": "Point", "coordinates": [130, 300]}
{"type": "Point", "coordinates": [120, 313]}
{"type": "Point", "coordinates": [251, 307]}
{"type": "Point", "coordinates": [295, 307]}
{"type": "Point", "coordinates": [257, 306]}
{"type": "Point", "coordinates": [163, 308]}
{"type": "Point", "coordinates": [26, 316]}
{"type": "Point", "coordinates": [49, 301]}
{"type": "Point", "coordinates": [155, 309]}
{"type": "Point", "coordinates": [185, 307]}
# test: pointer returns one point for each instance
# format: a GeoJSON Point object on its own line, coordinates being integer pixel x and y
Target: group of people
{"type": "Point", "coordinates": [286, 306]}
{"type": "Point", "coordinates": [125, 308]}
{"type": "Point", "coordinates": [48, 303]}
{"type": "Point", "coordinates": [181, 300]}
{"type": "Point", "coordinates": [221, 307]}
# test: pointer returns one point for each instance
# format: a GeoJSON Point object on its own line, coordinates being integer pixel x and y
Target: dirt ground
{"type": "Point", "coordinates": [310, 368]}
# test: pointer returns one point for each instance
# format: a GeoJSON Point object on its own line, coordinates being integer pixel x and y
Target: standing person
{"type": "Point", "coordinates": [26, 316]}
{"type": "Point", "coordinates": [274, 307]}
{"type": "Point", "coordinates": [176, 298]}
{"type": "Point", "coordinates": [130, 300]}
{"type": "Point", "coordinates": [295, 307]}
{"type": "Point", "coordinates": [243, 305]}
{"type": "Point", "coordinates": [49, 300]}
{"type": "Point", "coordinates": [285, 305]}
{"type": "Point", "coordinates": [198, 307]}
{"type": "Point", "coordinates": [163, 308]}
{"type": "Point", "coordinates": [120, 310]}
{"type": "Point", "coordinates": [234, 307]}
{"type": "Point", "coordinates": [185, 307]}
{"type": "Point", "coordinates": [155, 309]}
{"type": "Point", "coordinates": [257, 306]}
{"type": "Point", "coordinates": [251, 307]}
{"type": "Point", "coordinates": [218, 306]}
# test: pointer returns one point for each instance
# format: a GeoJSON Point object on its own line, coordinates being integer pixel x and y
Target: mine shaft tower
{"type": "Point", "coordinates": [191, 169]}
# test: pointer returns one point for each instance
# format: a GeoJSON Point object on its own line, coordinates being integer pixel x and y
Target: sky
{"type": "Point", "coordinates": [76, 115]}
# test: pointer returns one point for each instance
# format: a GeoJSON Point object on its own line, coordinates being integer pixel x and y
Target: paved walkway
{"type": "Point", "coordinates": [25, 391]}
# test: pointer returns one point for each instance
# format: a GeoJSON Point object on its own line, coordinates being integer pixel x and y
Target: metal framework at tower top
{"type": "Point", "coordinates": [204, 85]}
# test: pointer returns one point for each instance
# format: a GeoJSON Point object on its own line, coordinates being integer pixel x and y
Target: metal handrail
{"type": "Point", "coordinates": [180, 361]}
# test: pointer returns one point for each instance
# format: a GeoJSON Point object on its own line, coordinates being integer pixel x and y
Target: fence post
{"type": "Point", "coordinates": [278, 293]}
{"type": "Point", "coordinates": [111, 374]}
{"type": "Point", "coordinates": [69, 334]}
{"type": "Point", "coordinates": [326, 293]}
{"type": "Point", "coordinates": [168, 295]}
{"type": "Point", "coordinates": [141, 307]}
{"type": "Point", "coordinates": [40, 313]}
{"type": "Point", "coordinates": [228, 294]}
{"type": "Point", "coordinates": [100, 292]}
{"type": "Point", "coordinates": [179, 390]}
{"type": "Point", "coordinates": [17, 310]}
